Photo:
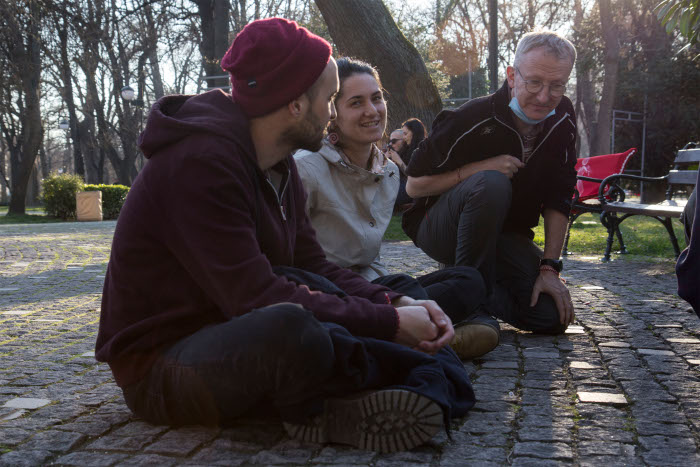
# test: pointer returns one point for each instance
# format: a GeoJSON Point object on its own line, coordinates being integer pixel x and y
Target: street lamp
{"type": "Point", "coordinates": [129, 96]}
{"type": "Point", "coordinates": [64, 124]}
{"type": "Point", "coordinates": [128, 93]}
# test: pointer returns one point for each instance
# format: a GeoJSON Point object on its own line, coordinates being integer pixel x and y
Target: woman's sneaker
{"type": "Point", "coordinates": [385, 421]}
{"type": "Point", "coordinates": [476, 337]}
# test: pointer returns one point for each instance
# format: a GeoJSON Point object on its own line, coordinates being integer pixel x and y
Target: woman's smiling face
{"type": "Point", "coordinates": [361, 110]}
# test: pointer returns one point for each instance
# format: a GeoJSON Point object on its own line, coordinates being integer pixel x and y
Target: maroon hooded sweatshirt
{"type": "Point", "coordinates": [199, 234]}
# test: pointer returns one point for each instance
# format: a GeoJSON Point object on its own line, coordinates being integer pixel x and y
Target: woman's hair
{"type": "Point", "coordinates": [348, 66]}
{"type": "Point", "coordinates": [419, 133]}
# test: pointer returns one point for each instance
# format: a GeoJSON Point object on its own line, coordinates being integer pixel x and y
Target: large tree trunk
{"type": "Point", "coordinates": [601, 138]}
{"type": "Point", "coordinates": [493, 45]}
{"type": "Point", "coordinates": [365, 29]}
{"type": "Point", "coordinates": [61, 24]}
{"type": "Point", "coordinates": [214, 15]}
{"type": "Point", "coordinates": [26, 57]}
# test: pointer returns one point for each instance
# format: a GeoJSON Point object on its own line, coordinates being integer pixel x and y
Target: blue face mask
{"type": "Point", "coordinates": [518, 111]}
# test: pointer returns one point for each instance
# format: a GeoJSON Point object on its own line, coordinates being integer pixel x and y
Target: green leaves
{"type": "Point", "coordinates": [681, 14]}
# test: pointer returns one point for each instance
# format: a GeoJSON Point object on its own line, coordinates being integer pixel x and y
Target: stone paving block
{"type": "Point", "coordinates": [583, 366]}
{"type": "Point", "coordinates": [54, 441]}
{"type": "Point", "coordinates": [26, 403]}
{"type": "Point", "coordinates": [181, 442]}
{"type": "Point", "coordinates": [600, 448]}
{"type": "Point", "coordinates": [90, 459]}
{"type": "Point", "coordinates": [655, 352]}
{"type": "Point", "coordinates": [495, 406]}
{"type": "Point", "coordinates": [112, 442]}
{"type": "Point", "coordinates": [224, 452]}
{"type": "Point", "coordinates": [664, 458]}
{"type": "Point", "coordinates": [602, 398]}
{"type": "Point", "coordinates": [543, 450]}
{"type": "Point", "coordinates": [544, 383]}
{"type": "Point", "coordinates": [25, 458]}
{"type": "Point", "coordinates": [286, 452]}
{"type": "Point", "coordinates": [13, 436]}
{"type": "Point", "coordinates": [534, 462]}
{"type": "Point", "coordinates": [615, 344]}
{"type": "Point", "coordinates": [532, 421]}
{"type": "Point", "coordinates": [486, 440]}
{"type": "Point", "coordinates": [500, 364]}
{"type": "Point", "coordinates": [659, 412]}
{"type": "Point", "coordinates": [465, 454]}
{"type": "Point", "coordinates": [417, 456]}
{"type": "Point", "coordinates": [545, 434]}
{"type": "Point", "coordinates": [343, 455]}
{"type": "Point", "coordinates": [605, 434]}
{"type": "Point", "coordinates": [149, 459]}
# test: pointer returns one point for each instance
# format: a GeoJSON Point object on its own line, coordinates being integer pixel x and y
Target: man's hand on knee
{"type": "Point", "coordinates": [551, 284]}
{"type": "Point", "coordinates": [431, 324]}
{"type": "Point", "coordinates": [505, 163]}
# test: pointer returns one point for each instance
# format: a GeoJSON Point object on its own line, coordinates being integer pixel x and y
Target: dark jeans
{"type": "Point", "coordinates": [464, 228]}
{"type": "Point", "coordinates": [282, 358]}
{"type": "Point", "coordinates": [689, 215]}
{"type": "Point", "coordinates": [459, 290]}
{"type": "Point", "coordinates": [402, 197]}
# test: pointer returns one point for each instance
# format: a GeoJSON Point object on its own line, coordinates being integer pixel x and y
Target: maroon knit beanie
{"type": "Point", "coordinates": [272, 62]}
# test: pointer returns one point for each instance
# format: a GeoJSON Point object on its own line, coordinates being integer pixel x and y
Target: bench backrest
{"type": "Point", "coordinates": [680, 175]}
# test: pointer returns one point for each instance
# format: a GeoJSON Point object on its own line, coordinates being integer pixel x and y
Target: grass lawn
{"type": "Point", "coordinates": [643, 236]}
{"type": "Point", "coordinates": [34, 215]}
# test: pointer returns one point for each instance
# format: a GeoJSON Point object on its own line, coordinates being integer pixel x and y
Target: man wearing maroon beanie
{"type": "Point", "coordinates": [218, 301]}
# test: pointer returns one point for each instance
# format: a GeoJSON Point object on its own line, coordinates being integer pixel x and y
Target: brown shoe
{"type": "Point", "coordinates": [475, 338]}
{"type": "Point", "coordinates": [385, 421]}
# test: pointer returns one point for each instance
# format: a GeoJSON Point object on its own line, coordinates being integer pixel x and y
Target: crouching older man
{"type": "Point", "coordinates": [488, 171]}
{"type": "Point", "coordinates": [219, 302]}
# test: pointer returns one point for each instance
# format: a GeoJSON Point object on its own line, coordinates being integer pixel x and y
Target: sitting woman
{"type": "Point", "coordinates": [412, 132]}
{"type": "Point", "coordinates": [351, 187]}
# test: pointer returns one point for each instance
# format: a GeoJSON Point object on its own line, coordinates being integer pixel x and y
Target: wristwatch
{"type": "Point", "coordinates": [554, 263]}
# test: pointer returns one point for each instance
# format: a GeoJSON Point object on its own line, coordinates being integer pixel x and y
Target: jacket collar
{"type": "Point", "coordinates": [335, 156]}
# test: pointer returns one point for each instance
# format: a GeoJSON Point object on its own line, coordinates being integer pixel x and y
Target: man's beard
{"type": "Point", "coordinates": [308, 134]}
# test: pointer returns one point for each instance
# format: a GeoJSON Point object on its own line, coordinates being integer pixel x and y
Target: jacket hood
{"type": "Point", "coordinates": [333, 156]}
{"type": "Point", "coordinates": [174, 118]}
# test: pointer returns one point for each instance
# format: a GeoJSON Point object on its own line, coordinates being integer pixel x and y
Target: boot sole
{"type": "Point", "coordinates": [384, 421]}
{"type": "Point", "coordinates": [474, 340]}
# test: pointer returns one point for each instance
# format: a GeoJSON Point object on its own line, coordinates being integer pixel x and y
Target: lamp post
{"type": "Point", "coordinates": [129, 95]}
{"type": "Point", "coordinates": [65, 126]}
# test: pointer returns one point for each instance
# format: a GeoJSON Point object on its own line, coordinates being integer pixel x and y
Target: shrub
{"type": "Point", "coordinates": [113, 197]}
{"type": "Point", "coordinates": [58, 194]}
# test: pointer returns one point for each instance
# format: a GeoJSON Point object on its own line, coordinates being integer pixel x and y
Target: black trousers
{"type": "Point", "coordinates": [465, 228]}
{"type": "Point", "coordinates": [459, 290]}
{"type": "Point", "coordinates": [281, 360]}
{"type": "Point", "coordinates": [689, 215]}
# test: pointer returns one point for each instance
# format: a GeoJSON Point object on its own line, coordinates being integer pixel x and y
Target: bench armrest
{"type": "Point", "coordinates": [612, 180]}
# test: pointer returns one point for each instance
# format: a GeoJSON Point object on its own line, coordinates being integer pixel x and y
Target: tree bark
{"type": "Point", "coordinates": [365, 29]}
{"type": "Point", "coordinates": [214, 15]}
{"type": "Point", "coordinates": [601, 140]}
{"type": "Point", "coordinates": [25, 56]}
{"type": "Point", "coordinates": [67, 79]}
{"type": "Point", "coordinates": [493, 45]}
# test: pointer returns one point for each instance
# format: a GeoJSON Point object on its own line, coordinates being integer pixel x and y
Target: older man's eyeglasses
{"type": "Point", "coordinates": [533, 86]}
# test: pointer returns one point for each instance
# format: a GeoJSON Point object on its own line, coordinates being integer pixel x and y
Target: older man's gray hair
{"type": "Point", "coordinates": [555, 43]}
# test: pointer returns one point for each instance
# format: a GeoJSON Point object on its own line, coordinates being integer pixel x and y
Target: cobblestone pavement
{"type": "Point", "coordinates": [622, 387]}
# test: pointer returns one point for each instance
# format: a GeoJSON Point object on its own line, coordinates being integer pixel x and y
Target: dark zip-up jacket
{"type": "Point", "coordinates": [484, 128]}
{"type": "Point", "coordinates": [198, 237]}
